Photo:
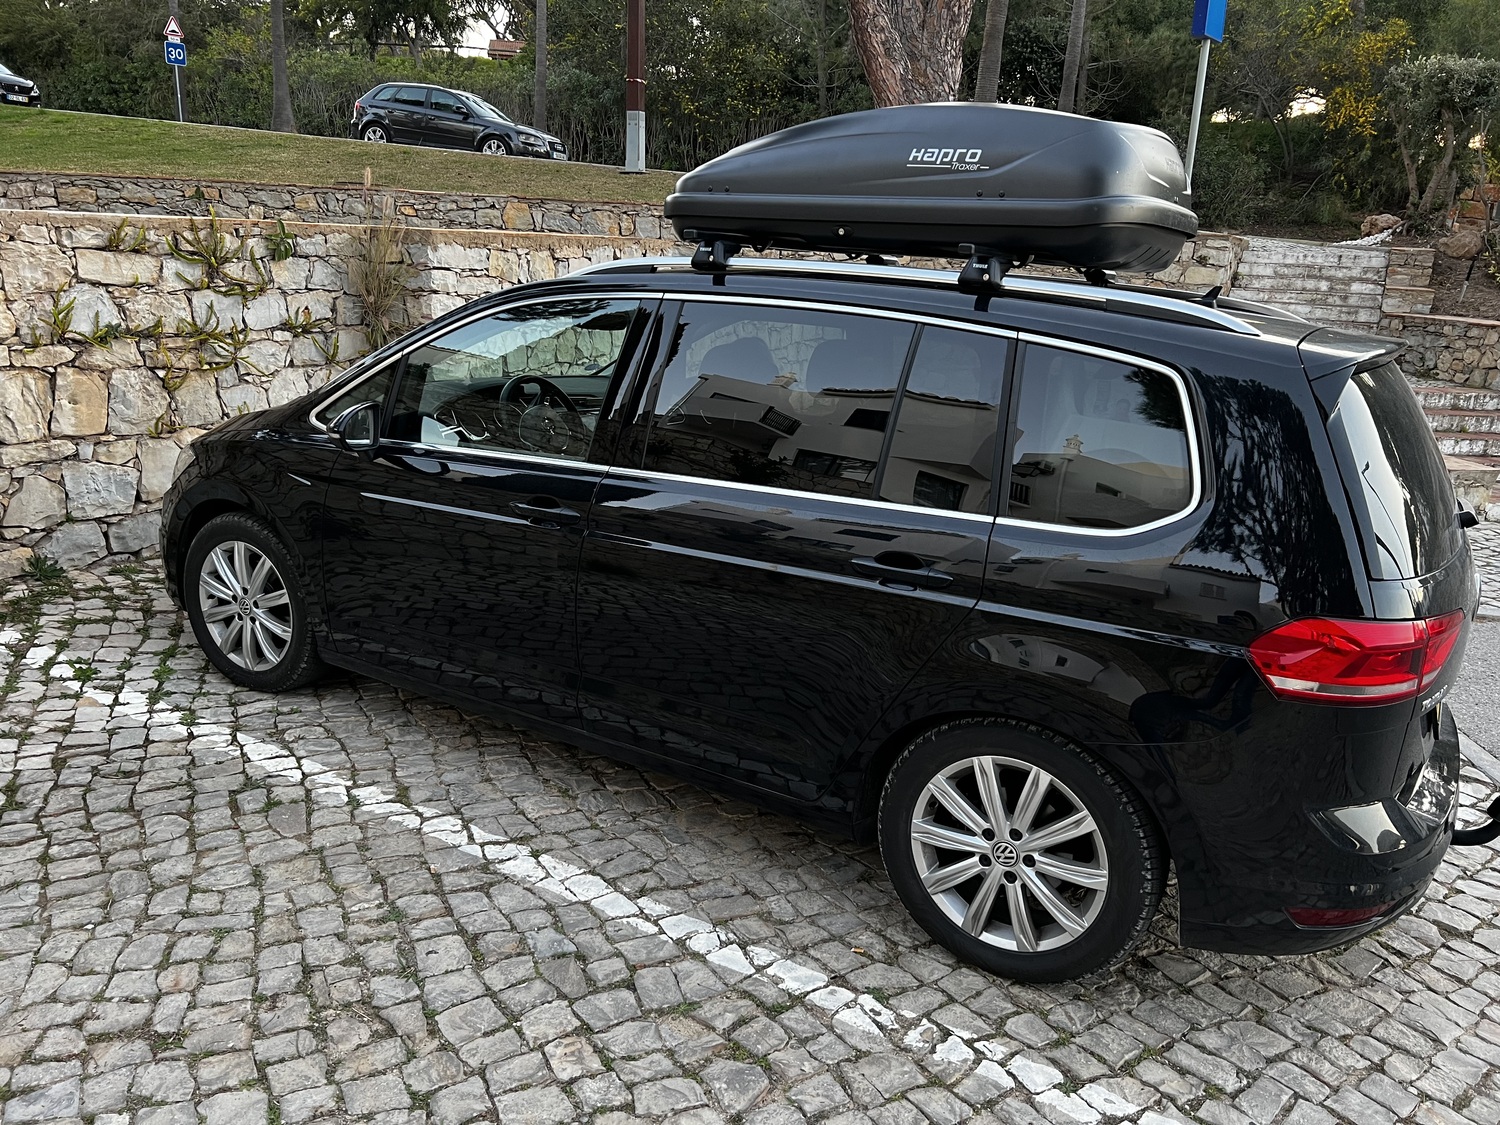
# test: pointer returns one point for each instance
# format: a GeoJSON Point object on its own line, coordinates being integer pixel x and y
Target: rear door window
{"type": "Point", "coordinates": [943, 449]}
{"type": "Point", "coordinates": [783, 397]}
{"type": "Point", "coordinates": [413, 97]}
{"type": "Point", "coordinates": [1394, 476]}
{"type": "Point", "coordinates": [1097, 442]}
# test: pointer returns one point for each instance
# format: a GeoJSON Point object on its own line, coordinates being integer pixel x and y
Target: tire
{"type": "Point", "coordinates": [494, 146]}
{"type": "Point", "coordinates": [1085, 898]}
{"type": "Point", "coordinates": [375, 134]}
{"type": "Point", "coordinates": [247, 605]}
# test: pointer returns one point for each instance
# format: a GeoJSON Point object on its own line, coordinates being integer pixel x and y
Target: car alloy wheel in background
{"type": "Point", "coordinates": [495, 147]}
{"type": "Point", "coordinates": [375, 134]}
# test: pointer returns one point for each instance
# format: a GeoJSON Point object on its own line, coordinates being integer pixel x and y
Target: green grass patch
{"type": "Point", "coordinates": [45, 140]}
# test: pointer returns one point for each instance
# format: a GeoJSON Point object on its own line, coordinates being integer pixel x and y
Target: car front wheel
{"type": "Point", "coordinates": [1019, 852]}
{"type": "Point", "coordinates": [495, 146]}
{"type": "Point", "coordinates": [375, 134]}
{"type": "Point", "coordinates": [247, 606]}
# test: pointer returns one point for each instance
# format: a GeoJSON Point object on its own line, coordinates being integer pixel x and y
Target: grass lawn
{"type": "Point", "coordinates": [52, 141]}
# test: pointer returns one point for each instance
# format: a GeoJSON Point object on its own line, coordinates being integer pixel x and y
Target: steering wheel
{"type": "Point", "coordinates": [511, 392]}
{"type": "Point", "coordinates": [541, 426]}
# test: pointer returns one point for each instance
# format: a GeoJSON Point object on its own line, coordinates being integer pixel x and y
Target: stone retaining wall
{"type": "Point", "coordinates": [1454, 348]}
{"type": "Point", "coordinates": [114, 353]}
{"type": "Point", "coordinates": [133, 195]}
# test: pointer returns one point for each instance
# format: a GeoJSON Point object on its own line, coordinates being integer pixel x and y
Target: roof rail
{"type": "Point", "coordinates": [1164, 305]}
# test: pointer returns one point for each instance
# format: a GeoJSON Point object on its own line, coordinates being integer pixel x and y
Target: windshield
{"type": "Point", "coordinates": [484, 108]}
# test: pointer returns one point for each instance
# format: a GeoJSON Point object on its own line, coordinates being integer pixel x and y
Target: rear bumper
{"type": "Point", "coordinates": [1375, 854]}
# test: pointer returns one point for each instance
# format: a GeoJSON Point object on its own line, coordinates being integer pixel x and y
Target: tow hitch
{"type": "Point", "coordinates": [1481, 833]}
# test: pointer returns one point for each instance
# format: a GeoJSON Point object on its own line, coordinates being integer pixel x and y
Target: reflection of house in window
{"type": "Point", "coordinates": [833, 465]}
{"type": "Point", "coordinates": [932, 491]}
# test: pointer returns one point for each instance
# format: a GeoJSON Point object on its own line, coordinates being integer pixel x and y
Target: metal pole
{"type": "Point", "coordinates": [1197, 109]}
{"type": "Point", "coordinates": [177, 74]}
{"type": "Point", "coordinates": [635, 86]}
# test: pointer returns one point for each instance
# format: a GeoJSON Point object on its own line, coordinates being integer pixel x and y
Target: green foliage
{"type": "Point", "coordinates": [1439, 104]}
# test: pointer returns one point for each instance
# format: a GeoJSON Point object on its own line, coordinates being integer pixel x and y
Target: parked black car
{"type": "Point", "coordinates": [15, 90]}
{"type": "Point", "coordinates": [418, 114]}
{"type": "Point", "coordinates": [1047, 584]}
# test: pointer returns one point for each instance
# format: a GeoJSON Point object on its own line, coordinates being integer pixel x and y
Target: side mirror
{"type": "Point", "coordinates": [1466, 516]}
{"type": "Point", "coordinates": [358, 428]}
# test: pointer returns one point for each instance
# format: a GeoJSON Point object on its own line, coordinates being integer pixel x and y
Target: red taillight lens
{"type": "Point", "coordinates": [1307, 916]}
{"type": "Point", "coordinates": [359, 107]}
{"type": "Point", "coordinates": [1355, 661]}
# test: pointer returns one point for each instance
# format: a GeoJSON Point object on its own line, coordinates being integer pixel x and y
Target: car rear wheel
{"type": "Point", "coordinates": [375, 134]}
{"type": "Point", "coordinates": [1019, 852]}
{"type": "Point", "coordinates": [495, 146]}
{"type": "Point", "coordinates": [247, 606]}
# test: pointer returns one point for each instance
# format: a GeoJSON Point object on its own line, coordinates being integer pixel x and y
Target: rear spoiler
{"type": "Point", "coordinates": [1328, 352]}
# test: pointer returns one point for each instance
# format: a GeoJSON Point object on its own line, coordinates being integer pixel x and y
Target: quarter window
{"type": "Point", "coordinates": [375, 388]}
{"type": "Point", "coordinates": [943, 450]}
{"type": "Point", "coordinates": [527, 380]}
{"type": "Point", "coordinates": [1097, 443]}
{"type": "Point", "coordinates": [783, 397]}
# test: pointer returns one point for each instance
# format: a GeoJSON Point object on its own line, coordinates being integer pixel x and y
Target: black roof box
{"type": "Point", "coordinates": [951, 179]}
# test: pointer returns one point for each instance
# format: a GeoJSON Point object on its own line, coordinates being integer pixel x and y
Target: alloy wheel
{"type": "Point", "coordinates": [246, 606]}
{"type": "Point", "coordinates": [1009, 854]}
{"type": "Point", "coordinates": [493, 147]}
{"type": "Point", "coordinates": [375, 135]}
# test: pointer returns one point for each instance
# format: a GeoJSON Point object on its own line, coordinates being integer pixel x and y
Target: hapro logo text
{"type": "Point", "coordinates": [958, 159]}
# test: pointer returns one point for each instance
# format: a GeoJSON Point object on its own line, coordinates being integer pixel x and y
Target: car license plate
{"type": "Point", "coordinates": [16, 97]}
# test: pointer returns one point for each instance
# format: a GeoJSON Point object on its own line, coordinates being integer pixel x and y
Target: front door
{"type": "Point", "coordinates": [804, 518]}
{"type": "Point", "coordinates": [450, 552]}
{"type": "Point", "coordinates": [449, 122]}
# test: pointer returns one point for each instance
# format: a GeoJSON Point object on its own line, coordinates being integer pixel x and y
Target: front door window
{"type": "Point", "coordinates": [526, 380]}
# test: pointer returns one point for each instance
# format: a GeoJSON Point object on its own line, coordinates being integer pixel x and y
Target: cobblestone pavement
{"type": "Point", "coordinates": [357, 904]}
{"type": "Point", "coordinates": [1484, 541]}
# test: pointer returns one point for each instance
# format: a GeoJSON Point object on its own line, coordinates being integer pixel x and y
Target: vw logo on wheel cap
{"type": "Point", "coordinates": [1005, 854]}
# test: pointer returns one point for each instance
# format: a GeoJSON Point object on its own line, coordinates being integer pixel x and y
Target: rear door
{"type": "Point", "coordinates": [450, 553]}
{"type": "Point", "coordinates": [787, 535]}
{"type": "Point", "coordinates": [406, 111]}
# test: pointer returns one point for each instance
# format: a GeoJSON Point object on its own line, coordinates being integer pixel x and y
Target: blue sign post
{"type": "Point", "coordinates": [1208, 29]}
{"type": "Point", "coordinates": [176, 51]}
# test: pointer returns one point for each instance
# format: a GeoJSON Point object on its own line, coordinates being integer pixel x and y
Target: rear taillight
{"type": "Point", "coordinates": [1310, 916]}
{"type": "Point", "coordinates": [359, 107]}
{"type": "Point", "coordinates": [1361, 662]}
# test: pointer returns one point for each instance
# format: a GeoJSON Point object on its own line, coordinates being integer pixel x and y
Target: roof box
{"type": "Point", "coordinates": [953, 179]}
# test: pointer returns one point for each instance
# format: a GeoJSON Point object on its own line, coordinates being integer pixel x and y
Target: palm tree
{"type": "Point", "coordinates": [1066, 100]}
{"type": "Point", "coordinates": [281, 93]}
{"type": "Point", "coordinates": [987, 84]}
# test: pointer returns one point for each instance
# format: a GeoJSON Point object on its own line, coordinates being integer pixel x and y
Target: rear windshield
{"type": "Point", "coordinates": [1394, 475]}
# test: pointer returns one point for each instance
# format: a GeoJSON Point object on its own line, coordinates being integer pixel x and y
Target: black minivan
{"type": "Point", "coordinates": [1048, 586]}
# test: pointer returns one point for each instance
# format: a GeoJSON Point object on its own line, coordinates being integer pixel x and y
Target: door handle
{"type": "Point", "coordinates": [543, 511]}
{"type": "Point", "coordinates": [901, 569]}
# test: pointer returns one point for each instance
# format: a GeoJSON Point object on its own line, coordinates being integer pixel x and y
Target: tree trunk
{"type": "Point", "coordinates": [822, 58]}
{"type": "Point", "coordinates": [1081, 94]}
{"type": "Point", "coordinates": [1066, 98]}
{"type": "Point", "coordinates": [1357, 11]}
{"type": "Point", "coordinates": [281, 91]}
{"type": "Point", "coordinates": [912, 50]}
{"type": "Point", "coordinates": [987, 84]}
{"type": "Point", "coordinates": [1440, 184]}
{"type": "Point", "coordinates": [539, 45]}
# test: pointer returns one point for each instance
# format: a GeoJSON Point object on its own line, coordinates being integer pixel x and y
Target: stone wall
{"type": "Point", "coordinates": [114, 352]}
{"type": "Point", "coordinates": [1454, 348]}
{"type": "Point", "coordinates": [133, 195]}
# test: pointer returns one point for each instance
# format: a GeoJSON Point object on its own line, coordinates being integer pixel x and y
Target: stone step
{"type": "Point", "coordinates": [1457, 423]}
{"type": "Point", "coordinates": [1454, 397]}
{"type": "Point", "coordinates": [1473, 444]}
